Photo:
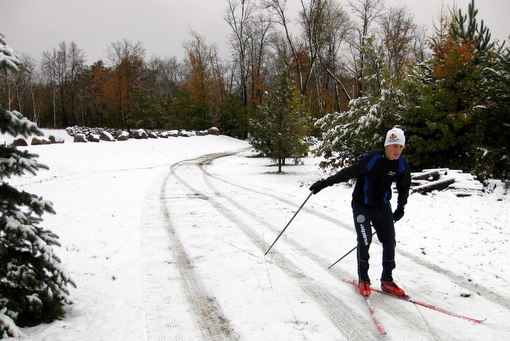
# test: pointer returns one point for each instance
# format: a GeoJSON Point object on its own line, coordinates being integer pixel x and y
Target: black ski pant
{"type": "Point", "coordinates": [381, 219]}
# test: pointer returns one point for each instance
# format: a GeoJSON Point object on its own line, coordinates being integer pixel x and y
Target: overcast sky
{"type": "Point", "coordinates": [35, 26]}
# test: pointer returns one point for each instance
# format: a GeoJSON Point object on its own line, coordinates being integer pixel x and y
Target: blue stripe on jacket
{"type": "Point", "coordinates": [370, 165]}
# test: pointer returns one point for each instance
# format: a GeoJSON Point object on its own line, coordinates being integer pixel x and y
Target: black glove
{"type": "Point", "coordinates": [318, 186]}
{"type": "Point", "coordinates": [398, 214]}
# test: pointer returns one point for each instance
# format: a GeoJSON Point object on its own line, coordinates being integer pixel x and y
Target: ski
{"type": "Point", "coordinates": [426, 305]}
{"type": "Point", "coordinates": [372, 313]}
{"type": "Point", "coordinates": [371, 309]}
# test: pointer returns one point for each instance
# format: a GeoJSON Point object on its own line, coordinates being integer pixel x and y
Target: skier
{"type": "Point", "coordinates": [375, 172]}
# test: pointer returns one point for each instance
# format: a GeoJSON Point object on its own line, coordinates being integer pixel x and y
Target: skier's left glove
{"type": "Point", "coordinates": [399, 213]}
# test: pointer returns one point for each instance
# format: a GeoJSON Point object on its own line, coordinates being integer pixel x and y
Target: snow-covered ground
{"type": "Point", "coordinates": [166, 239]}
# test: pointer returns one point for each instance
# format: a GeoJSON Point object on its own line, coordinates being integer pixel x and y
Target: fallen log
{"type": "Point", "coordinates": [430, 175]}
{"type": "Point", "coordinates": [434, 185]}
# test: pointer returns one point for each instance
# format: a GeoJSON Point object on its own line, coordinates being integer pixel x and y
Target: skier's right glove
{"type": "Point", "coordinates": [318, 186]}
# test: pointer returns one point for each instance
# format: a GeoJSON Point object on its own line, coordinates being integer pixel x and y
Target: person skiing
{"type": "Point", "coordinates": [375, 173]}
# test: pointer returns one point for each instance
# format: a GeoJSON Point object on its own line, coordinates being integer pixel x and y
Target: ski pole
{"type": "Point", "coordinates": [348, 253]}
{"type": "Point", "coordinates": [303, 204]}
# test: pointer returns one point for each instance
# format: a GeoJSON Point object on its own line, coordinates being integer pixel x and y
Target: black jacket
{"type": "Point", "coordinates": [375, 174]}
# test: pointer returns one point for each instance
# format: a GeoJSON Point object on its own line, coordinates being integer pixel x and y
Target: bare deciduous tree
{"type": "Point", "coordinates": [61, 67]}
{"type": "Point", "coordinates": [326, 25]}
{"type": "Point", "coordinates": [164, 75]}
{"type": "Point", "coordinates": [401, 38]}
{"type": "Point", "coordinates": [127, 59]}
{"type": "Point", "coordinates": [239, 15]}
{"type": "Point", "coordinates": [366, 12]}
{"type": "Point", "coordinates": [261, 31]}
{"type": "Point", "coordinates": [289, 49]}
{"type": "Point", "coordinates": [125, 49]}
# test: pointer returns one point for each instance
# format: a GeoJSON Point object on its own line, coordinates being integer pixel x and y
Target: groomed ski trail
{"type": "Point", "coordinates": [190, 273]}
{"type": "Point", "coordinates": [193, 285]}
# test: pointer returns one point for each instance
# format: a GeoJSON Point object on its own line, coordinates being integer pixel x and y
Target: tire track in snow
{"type": "Point", "coordinates": [211, 318]}
{"type": "Point", "coordinates": [168, 303]}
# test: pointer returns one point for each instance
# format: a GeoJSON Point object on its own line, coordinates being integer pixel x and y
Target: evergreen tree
{"type": "Point", "coordinates": [8, 58]}
{"type": "Point", "coordinates": [347, 135]}
{"type": "Point", "coordinates": [185, 111]}
{"type": "Point", "coordinates": [282, 122]}
{"type": "Point", "coordinates": [445, 95]}
{"type": "Point", "coordinates": [492, 160]}
{"type": "Point", "coordinates": [32, 281]}
{"type": "Point", "coordinates": [233, 117]}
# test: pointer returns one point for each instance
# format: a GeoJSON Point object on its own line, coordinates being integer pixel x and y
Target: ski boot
{"type": "Point", "coordinates": [392, 288]}
{"type": "Point", "coordinates": [364, 288]}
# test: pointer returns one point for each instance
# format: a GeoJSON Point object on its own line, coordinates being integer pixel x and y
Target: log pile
{"type": "Point", "coordinates": [461, 184]}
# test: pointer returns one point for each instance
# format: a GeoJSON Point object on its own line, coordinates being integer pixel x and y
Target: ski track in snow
{"type": "Point", "coordinates": [199, 295]}
{"type": "Point", "coordinates": [459, 280]}
{"type": "Point", "coordinates": [192, 262]}
{"type": "Point", "coordinates": [412, 325]}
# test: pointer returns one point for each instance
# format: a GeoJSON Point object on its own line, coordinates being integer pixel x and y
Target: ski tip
{"type": "Point", "coordinates": [350, 281]}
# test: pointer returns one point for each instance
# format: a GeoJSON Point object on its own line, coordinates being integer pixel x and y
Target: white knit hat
{"type": "Point", "coordinates": [395, 136]}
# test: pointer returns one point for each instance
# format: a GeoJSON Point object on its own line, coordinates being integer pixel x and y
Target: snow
{"type": "Point", "coordinates": [165, 239]}
{"type": "Point", "coordinates": [7, 55]}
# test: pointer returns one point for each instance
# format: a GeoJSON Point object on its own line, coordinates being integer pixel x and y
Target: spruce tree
{"type": "Point", "coordinates": [492, 160]}
{"type": "Point", "coordinates": [33, 284]}
{"type": "Point", "coordinates": [445, 95]}
{"type": "Point", "coordinates": [346, 135]}
{"type": "Point", "coordinates": [282, 123]}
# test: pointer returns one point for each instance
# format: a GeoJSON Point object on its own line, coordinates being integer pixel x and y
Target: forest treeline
{"type": "Point", "coordinates": [349, 71]}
